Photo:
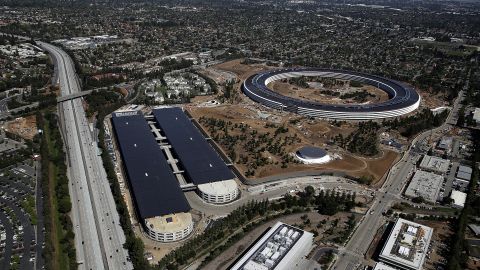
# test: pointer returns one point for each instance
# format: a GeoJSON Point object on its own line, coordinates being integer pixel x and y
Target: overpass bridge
{"type": "Point", "coordinates": [73, 96]}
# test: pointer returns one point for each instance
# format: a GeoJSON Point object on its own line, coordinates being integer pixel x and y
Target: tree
{"type": "Point", "coordinates": [418, 199]}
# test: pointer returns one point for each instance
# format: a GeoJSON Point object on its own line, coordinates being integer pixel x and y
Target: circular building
{"type": "Point", "coordinates": [403, 99]}
{"type": "Point", "coordinates": [313, 155]}
{"type": "Point", "coordinates": [169, 228]}
{"type": "Point", "coordinates": [219, 192]}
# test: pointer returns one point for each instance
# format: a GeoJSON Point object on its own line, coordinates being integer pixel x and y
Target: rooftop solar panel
{"type": "Point", "coordinates": [201, 162]}
{"type": "Point", "coordinates": [155, 189]}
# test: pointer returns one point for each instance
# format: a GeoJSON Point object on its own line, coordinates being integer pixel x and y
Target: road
{"type": "Point", "coordinates": [352, 255]}
{"type": "Point", "coordinates": [99, 237]}
{"type": "Point", "coordinates": [282, 188]}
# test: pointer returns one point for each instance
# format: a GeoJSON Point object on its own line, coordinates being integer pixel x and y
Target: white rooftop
{"type": "Point", "coordinates": [458, 198]}
{"type": "Point", "coordinates": [476, 115]}
{"type": "Point", "coordinates": [411, 253]}
{"type": "Point", "coordinates": [381, 266]}
{"type": "Point", "coordinates": [219, 188]}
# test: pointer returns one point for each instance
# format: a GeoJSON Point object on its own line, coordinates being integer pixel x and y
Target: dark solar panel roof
{"type": "Point", "coordinates": [154, 187]}
{"type": "Point", "coordinates": [201, 162]}
{"type": "Point", "coordinates": [401, 95]}
{"type": "Point", "coordinates": [311, 152]}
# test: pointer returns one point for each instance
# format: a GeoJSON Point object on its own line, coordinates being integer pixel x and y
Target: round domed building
{"type": "Point", "coordinates": [312, 155]}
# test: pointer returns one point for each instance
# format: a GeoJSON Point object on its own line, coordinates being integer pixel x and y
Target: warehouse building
{"type": "Point", "coordinates": [407, 245]}
{"type": "Point", "coordinates": [458, 198]}
{"type": "Point", "coordinates": [282, 248]}
{"type": "Point", "coordinates": [426, 185]}
{"type": "Point", "coordinates": [201, 164]}
{"type": "Point", "coordinates": [435, 164]}
{"type": "Point", "coordinates": [159, 202]}
{"type": "Point", "coordinates": [464, 173]}
{"type": "Point", "coordinates": [462, 178]}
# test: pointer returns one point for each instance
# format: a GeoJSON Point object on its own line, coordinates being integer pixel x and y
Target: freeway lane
{"type": "Point", "coordinates": [99, 237]}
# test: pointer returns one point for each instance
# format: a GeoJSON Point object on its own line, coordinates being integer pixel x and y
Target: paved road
{"type": "Point", "coordinates": [352, 256]}
{"type": "Point", "coordinates": [40, 236]}
{"type": "Point", "coordinates": [327, 182]}
{"type": "Point", "coordinates": [99, 237]}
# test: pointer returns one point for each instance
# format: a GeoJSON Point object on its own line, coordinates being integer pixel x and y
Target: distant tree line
{"type": "Point", "coordinates": [459, 251]}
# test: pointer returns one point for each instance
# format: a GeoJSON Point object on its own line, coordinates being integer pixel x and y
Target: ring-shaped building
{"type": "Point", "coordinates": [403, 99]}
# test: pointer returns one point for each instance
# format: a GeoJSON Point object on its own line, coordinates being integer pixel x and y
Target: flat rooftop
{"type": "Point", "coordinates": [273, 247]}
{"type": "Point", "coordinates": [407, 244]}
{"type": "Point", "coordinates": [458, 198]}
{"type": "Point", "coordinates": [155, 190]}
{"type": "Point", "coordinates": [435, 164]}
{"type": "Point", "coordinates": [170, 223]}
{"type": "Point", "coordinates": [381, 266]}
{"type": "Point", "coordinates": [201, 162]}
{"type": "Point", "coordinates": [425, 184]}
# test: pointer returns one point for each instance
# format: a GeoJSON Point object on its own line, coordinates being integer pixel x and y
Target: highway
{"type": "Point", "coordinates": [99, 237]}
{"type": "Point", "coordinates": [352, 256]}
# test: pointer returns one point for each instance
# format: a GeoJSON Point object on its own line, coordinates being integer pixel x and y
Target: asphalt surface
{"type": "Point", "coordinates": [15, 189]}
{"type": "Point", "coordinates": [272, 193]}
{"type": "Point", "coordinates": [99, 237]}
{"type": "Point", "coordinates": [5, 261]}
{"type": "Point", "coordinates": [352, 255]}
{"type": "Point", "coordinates": [40, 236]}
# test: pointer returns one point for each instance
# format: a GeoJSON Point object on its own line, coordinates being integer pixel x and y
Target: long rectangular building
{"type": "Point", "coordinates": [201, 162]}
{"type": "Point", "coordinates": [155, 190]}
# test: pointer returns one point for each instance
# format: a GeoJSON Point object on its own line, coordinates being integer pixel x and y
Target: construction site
{"type": "Point", "coordinates": [25, 127]}
{"type": "Point", "coordinates": [240, 120]}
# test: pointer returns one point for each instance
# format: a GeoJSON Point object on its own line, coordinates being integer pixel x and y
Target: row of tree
{"type": "Point", "coordinates": [54, 177]}
{"type": "Point", "coordinates": [133, 244]}
{"type": "Point", "coordinates": [414, 124]}
{"type": "Point", "coordinates": [251, 215]}
{"type": "Point", "coordinates": [459, 251]}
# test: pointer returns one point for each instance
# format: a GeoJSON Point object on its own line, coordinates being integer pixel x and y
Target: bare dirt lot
{"type": "Point", "coordinates": [241, 111]}
{"type": "Point", "coordinates": [441, 233]}
{"type": "Point", "coordinates": [316, 94]}
{"type": "Point", "coordinates": [243, 71]}
{"type": "Point", "coordinates": [25, 127]}
{"type": "Point", "coordinates": [306, 132]}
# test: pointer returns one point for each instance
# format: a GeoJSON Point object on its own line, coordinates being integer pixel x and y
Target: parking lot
{"type": "Point", "coordinates": [18, 217]}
